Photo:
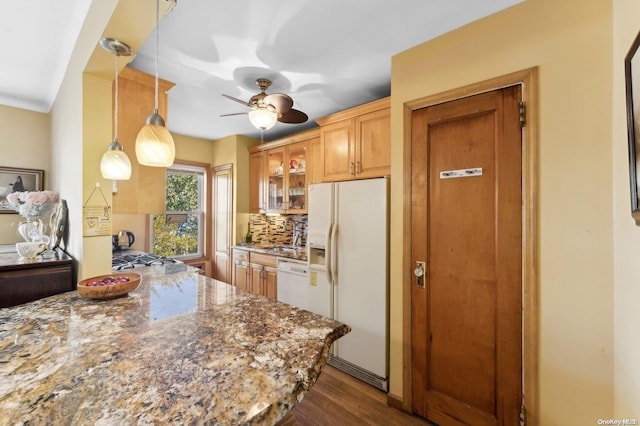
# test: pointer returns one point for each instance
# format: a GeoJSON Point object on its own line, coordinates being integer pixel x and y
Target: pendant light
{"type": "Point", "coordinates": [115, 163]}
{"type": "Point", "coordinates": [154, 143]}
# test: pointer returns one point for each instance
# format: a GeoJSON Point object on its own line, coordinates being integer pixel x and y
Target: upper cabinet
{"type": "Point", "coordinates": [286, 168]}
{"type": "Point", "coordinates": [279, 173]}
{"type": "Point", "coordinates": [356, 143]}
{"type": "Point", "coordinates": [145, 191]}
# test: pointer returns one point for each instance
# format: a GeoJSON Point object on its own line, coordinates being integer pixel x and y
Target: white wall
{"type": "Point", "coordinates": [626, 235]}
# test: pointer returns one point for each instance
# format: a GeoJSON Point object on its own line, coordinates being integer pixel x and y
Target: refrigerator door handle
{"type": "Point", "coordinates": [334, 249]}
{"type": "Point", "coordinates": [327, 245]}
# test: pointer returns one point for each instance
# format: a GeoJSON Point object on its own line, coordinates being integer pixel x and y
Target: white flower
{"type": "Point", "coordinates": [31, 203]}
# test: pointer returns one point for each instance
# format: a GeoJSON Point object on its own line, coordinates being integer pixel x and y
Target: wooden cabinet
{"type": "Point", "coordinates": [356, 144]}
{"type": "Point", "coordinates": [241, 274]}
{"type": "Point", "coordinates": [25, 281]}
{"type": "Point", "coordinates": [255, 273]}
{"type": "Point", "coordinates": [145, 191]}
{"type": "Point", "coordinates": [286, 169]}
{"type": "Point", "coordinates": [257, 194]}
{"type": "Point", "coordinates": [315, 158]}
{"type": "Point", "coordinates": [279, 172]}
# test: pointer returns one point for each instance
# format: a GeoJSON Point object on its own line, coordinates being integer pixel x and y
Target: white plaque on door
{"type": "Point", "coordinates": [450, 174]}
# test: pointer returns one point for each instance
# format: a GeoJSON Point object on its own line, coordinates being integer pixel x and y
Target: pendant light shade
{"type": "Point", "coordinates": [115, 163]}
{"type": "Point", "coordinates": [154, 143]}
{"type": "Point", "coordinates": [263, 118]}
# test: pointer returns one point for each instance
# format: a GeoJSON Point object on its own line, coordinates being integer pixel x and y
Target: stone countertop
{"type": "Point", "coordinates": [180, 349]}
{"type": "Point", "coordinates": [275, 250]}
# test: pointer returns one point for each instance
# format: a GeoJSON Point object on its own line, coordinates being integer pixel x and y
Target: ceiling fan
{"type": "Point", "coordinates": [267, 109]}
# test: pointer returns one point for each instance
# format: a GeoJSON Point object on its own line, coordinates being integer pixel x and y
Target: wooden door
{"type": "Point", "coordinates": [373, 144]}
{"type": "Point", "coordinates": [257, 199]}
{"type": "Point", "coordinates": [241, 275]}
{"type": "Point", "coordinates": [257, 278]}
{"type": "Point", "coordinates": [271, 282]}
{"type": "Point", "coordinates": [467, 229]}
{"type": "Point", "coordinates": [222, 221]}
{"type": "Point", "coordinates": [315, 162]}
{"type": "Point", "coordinates": [337, 145]}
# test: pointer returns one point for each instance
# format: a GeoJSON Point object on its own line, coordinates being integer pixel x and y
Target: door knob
{"type": "Point", "coordinates": [419, 273]}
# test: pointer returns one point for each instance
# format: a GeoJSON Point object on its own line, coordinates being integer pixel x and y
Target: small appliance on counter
{"type": "Point", "coordinates": [122, 240]}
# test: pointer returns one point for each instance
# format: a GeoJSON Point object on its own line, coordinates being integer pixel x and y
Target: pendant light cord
{"type": "Point", "coordinates": [157, 49]}
{"type": "Point", "coordinates": [115, 109]}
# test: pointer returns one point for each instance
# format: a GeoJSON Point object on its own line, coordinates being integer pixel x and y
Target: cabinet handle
{"type": "Point", "coordinates": [358, 168]}
{"type": "Point", "coordinates": [351, 169]}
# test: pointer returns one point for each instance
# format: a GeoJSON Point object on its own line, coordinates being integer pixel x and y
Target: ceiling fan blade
{"type": "Point", "coordinates": [235, 113]}
{"type": "Point", "coordinates": [293, 116]}
{"type": "Point", "coordinates": [281, 102]}
{"type": "Point", "coordinates": [240, 101]}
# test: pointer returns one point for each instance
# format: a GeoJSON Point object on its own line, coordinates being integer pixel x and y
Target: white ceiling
{"type": "Point", "coordinates": [328, 55]}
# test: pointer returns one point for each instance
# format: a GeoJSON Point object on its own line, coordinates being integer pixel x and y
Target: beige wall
{"type": "Point", "coordinates": [570, 41]}
{"type": "Point", "coordinates": [26, 144]}
{"type": "Point", "coordinates": [626, 235]}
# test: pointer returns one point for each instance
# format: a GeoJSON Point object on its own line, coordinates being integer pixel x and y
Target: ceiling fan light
{"type": "Point", "coordinates": [263, 118]}
{"type": "Point", "coordinates": [155, 146]}
{"type": "Point", "coordinates": [115, 163]}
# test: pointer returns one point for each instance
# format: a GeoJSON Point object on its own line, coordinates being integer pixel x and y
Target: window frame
{"type": "Point", "coordinates": [204, 210]}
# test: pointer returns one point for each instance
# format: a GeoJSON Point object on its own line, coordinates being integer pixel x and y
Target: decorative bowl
{"type": "Point", "coordinates": [110, 286]}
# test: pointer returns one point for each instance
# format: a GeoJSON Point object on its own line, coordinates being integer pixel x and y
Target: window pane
{"type": "Point", "coordinates": [184, 194]}
{"type": "Point", "coordinates": [176, 239]}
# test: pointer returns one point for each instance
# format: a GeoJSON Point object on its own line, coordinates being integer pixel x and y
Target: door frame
{"type": "Point", "coordinates": [528, 78]}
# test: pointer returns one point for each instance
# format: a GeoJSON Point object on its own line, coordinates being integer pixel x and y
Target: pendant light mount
{"type": "Point", "coordinates": [115, 163]}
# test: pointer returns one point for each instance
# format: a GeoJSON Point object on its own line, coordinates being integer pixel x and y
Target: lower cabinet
{"type": "Point", "coordinates": [25, 281]}
{"type": "Point", "coordinates": [255, 273]}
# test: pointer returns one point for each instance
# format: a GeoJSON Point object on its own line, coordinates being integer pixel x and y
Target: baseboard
{"type": "Point", "coordinates": [394, 401]}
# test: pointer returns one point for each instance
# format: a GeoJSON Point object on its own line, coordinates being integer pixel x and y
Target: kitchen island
{"type": "Point", "coordinates": [180, 349]}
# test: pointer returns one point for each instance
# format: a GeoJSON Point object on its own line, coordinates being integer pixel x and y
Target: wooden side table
{"type": "Point", "coordinates": [23, 281]}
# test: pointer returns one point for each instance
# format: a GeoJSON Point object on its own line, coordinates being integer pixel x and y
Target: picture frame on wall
{"type": "Point", "coordinates": [632, 84]}
{"type": "Point", "coordinates": [14, 179]}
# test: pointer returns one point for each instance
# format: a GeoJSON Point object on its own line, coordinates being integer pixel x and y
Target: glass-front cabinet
{"type": "Point", "coordinates": [287, 184]}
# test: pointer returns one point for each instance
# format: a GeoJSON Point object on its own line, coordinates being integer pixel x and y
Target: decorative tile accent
{"type": "Point", "coordinates": [278, 230]}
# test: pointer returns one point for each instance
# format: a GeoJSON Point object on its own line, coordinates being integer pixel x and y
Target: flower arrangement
{"type": "Point", "coordinates": [31, 203]}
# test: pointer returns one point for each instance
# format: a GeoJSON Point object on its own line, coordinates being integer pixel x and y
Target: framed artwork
{"type": "Point", "coordinates": [12, 180]}
{"type": "Point", "coordinates": [632, 82]}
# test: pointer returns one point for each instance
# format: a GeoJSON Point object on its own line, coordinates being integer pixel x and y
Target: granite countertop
{"type": "Point", "coordinates": [180, 349]}
{"type": "Point", "coordinates": [299, 253]}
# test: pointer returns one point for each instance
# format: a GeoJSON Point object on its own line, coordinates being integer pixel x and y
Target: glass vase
{"type": "Point", "coordinates": [31, 229]}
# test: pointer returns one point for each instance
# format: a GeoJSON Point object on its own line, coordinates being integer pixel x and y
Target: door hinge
{"type": "Point", "coordinates": [522, 114]}
{"type": "Point", "coordinates": [523, 416]}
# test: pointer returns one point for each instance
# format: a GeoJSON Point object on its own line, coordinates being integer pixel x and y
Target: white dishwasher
{"type": "Point", "coordinates": [293, 282]}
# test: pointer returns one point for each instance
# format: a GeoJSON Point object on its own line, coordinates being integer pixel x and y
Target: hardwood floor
{"type": "Point", "coordinates": [338, 398]}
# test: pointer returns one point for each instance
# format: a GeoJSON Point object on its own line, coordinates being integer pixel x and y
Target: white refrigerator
{"type": "Point", "coordinates": [348, 243]}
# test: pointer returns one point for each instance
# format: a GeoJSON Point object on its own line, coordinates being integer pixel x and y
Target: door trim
{"type": "Point", "coordinates": [528, 78]}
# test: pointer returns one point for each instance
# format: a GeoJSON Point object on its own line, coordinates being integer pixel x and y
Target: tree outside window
{"type": "Point", "coordinates": [180, 231]}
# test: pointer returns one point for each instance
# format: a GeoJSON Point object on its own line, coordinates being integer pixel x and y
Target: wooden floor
{"type": "Point", "coordinates": [339, 399]}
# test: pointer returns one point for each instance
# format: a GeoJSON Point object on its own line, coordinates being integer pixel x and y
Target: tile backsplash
{"type": "Point", "coordinates": [278, 229]}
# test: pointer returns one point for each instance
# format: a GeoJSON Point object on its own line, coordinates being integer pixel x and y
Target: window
{"type": "Point", "coordinates": [180, 232]}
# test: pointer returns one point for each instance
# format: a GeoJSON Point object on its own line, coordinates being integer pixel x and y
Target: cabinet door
{"type": "Point", "coordinates": [373, 144]}
{"type": "Point", "coordinates": [274, 169]}
{"type": "Point", "coordinates": [296, 178]}
{"type": "Point", "coordinates": [257, 286]}
{"type": "Point", "coordinates": [315, 161]}
{"type": "Point", "coordinates": [257, 202]}
{"type": "Point", "coordinates": [337, 145]}
{"type": "Point", "coordinates": [271, 283]}
{"type": "Point", "coordinates": [241, 275]}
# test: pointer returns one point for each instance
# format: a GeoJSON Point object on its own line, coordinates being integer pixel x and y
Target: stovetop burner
{"type": "Point", "coordinates": [132, 261]}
